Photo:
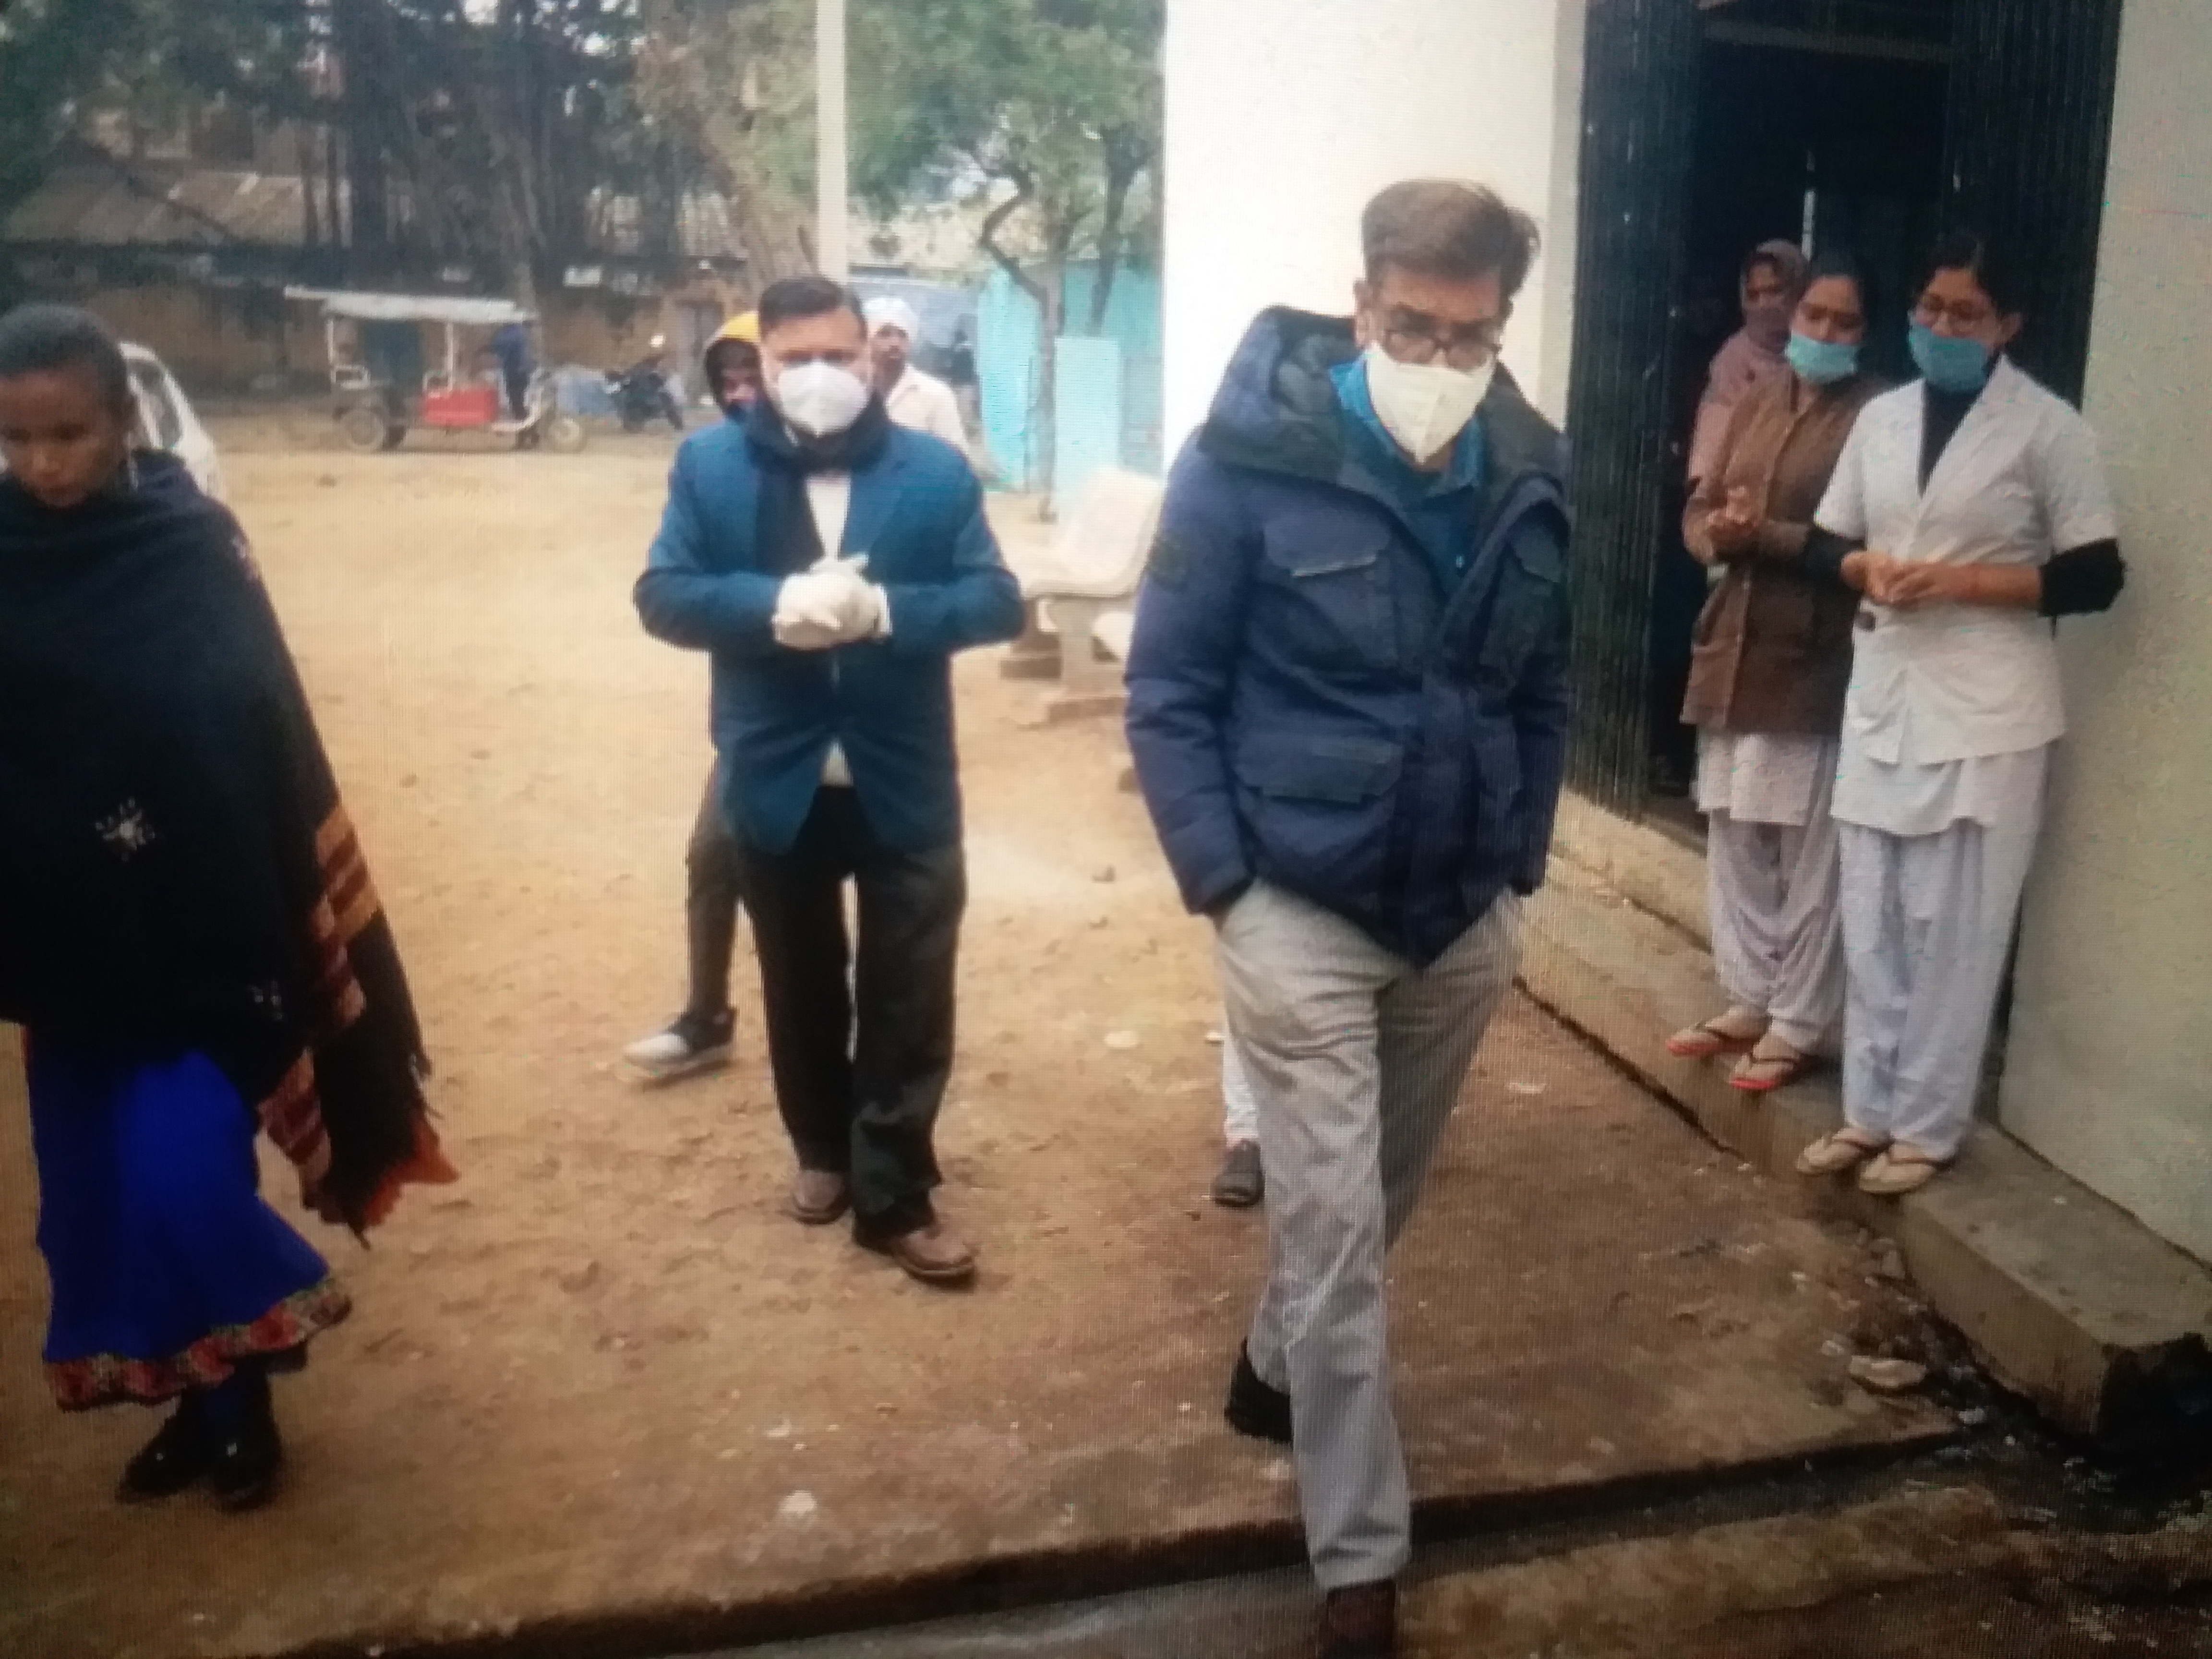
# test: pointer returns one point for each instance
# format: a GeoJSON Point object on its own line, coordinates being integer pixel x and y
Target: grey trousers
{"type": "Point", "coordinates": [1240, 1113]}
{"type": "Point", "coordinates": [1355, 1060]}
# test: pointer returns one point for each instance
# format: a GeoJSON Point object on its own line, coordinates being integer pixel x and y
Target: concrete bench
{"type": "Point", "coordinates": [1090, 572]}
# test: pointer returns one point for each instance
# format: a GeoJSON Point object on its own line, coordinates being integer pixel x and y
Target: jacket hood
{"type": "Point", "coordinates": [1277, 410]}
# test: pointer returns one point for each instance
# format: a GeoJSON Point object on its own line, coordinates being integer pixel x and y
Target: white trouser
{"type": "Point", "coordinates": [1240, 1113]}
{"type": "Point", "coordinates": [1928, 924]}
{"type": "Point", "coordinates": [1778, 939]}
{"type": "Point", "coordinates": [1357, 1059]}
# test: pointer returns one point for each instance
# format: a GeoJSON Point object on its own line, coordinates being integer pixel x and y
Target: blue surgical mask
{"type": "Point", "coordinates": [1822, 363]}
{"type": "Point", "coordinates": [1951, 364]}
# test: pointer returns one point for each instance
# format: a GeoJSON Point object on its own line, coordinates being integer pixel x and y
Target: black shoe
{"type": "Point", "coordinates": [247, 1454]}
{"type": "Point", "coordinates": [691, 1044]}
{"type": "Point", "coordinates": [1360, 1622]}
{"type": "Point", "coordinates": [177, 1459]}
{"type": "Point", "coordinates": [1254, 1408]}
{"type": "Point", "coordinates": [1238, 1185]}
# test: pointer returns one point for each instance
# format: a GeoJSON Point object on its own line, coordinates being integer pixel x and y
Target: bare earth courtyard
{"type": "Point", "coordinates": [602, 1380]}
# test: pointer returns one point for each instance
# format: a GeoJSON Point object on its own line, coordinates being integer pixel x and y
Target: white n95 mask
{"type": "Point", "coordinates": [1424, 405]}
{"type": "Point", "coordinates": [820, 400]}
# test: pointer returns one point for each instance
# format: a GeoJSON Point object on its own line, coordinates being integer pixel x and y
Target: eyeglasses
{"type": "Point", "coordinates": [1469, 348]}
{"type": "Point", "coordinates": [1965, 315]}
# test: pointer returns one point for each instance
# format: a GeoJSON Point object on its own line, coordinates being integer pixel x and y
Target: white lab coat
{"type": "Point", "coordinates": [926, 405]}
{"type": "Point", "coordinates": [2021, 480]}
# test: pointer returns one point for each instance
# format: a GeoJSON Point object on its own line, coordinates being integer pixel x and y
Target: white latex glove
{"type": "Point", "coordinates": [831, 604]}
{"type": "Point", "coordinates": [810, 612]}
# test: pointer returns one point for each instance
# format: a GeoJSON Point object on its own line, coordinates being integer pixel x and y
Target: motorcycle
{"type": "Point", "coordinates": [641, 396]}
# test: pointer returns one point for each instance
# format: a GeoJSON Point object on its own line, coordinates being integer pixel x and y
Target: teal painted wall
{"type": "Point", "coordinates": [1110, 403]}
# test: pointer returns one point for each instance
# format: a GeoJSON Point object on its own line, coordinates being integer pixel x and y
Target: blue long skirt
{"type": "Point", "coordinates": [168, 1268]}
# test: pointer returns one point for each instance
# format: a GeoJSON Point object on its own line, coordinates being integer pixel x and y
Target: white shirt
{"type": "Point", "coordinates": [2021, 480]}
{"type": "Point", "coordinates": [925, 404]}
{"type": "Point", "coordinates": [829, 499]}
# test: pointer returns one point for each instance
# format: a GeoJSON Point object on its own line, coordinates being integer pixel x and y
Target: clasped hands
{"type": "Point", "coordinates": [1734, 528]}
{"type": "Point", "coordinates": [1910, 585]}
{"type": "Point", "coordinates": [831, 604]}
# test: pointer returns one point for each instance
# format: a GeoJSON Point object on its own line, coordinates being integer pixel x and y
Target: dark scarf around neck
{"type": "Point", "coordinates": [788, 539]}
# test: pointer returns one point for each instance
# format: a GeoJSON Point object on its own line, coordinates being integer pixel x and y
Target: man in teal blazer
{"type": "Point", "coordinates": [831, 563]}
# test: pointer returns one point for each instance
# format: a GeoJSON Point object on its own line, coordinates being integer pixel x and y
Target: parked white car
{"type": "Point", "coordinates": [166, 420]}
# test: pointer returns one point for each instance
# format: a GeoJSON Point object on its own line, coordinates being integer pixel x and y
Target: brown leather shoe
{"type": "Point", "coordinates": [819, 1197]}
{"type": "Point", "coordinates": [932, 1253]}
{"type": "Point", "coordinates": [1360, 1621]}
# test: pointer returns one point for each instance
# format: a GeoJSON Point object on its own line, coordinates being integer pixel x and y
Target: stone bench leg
{"type": "Point", "coordinates": [1033, 654]}
{"type": "Point", "coordinates": [1089, 680]}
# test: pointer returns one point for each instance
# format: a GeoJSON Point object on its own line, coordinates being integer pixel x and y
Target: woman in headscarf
{"type": "Point", "coordinates": [188, 934]}
{"type": "Point", "coordinates": [1772, 282]}
{"type": "Point", "coordinates": [1772, 657]}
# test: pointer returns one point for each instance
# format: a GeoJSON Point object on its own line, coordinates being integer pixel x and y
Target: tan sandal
{"type": "Point", "coordinates": [1711, 1038]}
{"type": "Point", "coordinates": [1840, 1153]}
{"type": "Point", "coordinates": [1900, 1170]}
{"type": "Point", "coordinates": [1759, 1074]}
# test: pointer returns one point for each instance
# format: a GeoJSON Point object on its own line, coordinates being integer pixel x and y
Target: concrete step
{"type": "Point", "coordinates": [2067, 1299]}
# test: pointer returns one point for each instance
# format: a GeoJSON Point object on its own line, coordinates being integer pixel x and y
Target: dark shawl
{"type": "Point", "coordinates": [177, 871]}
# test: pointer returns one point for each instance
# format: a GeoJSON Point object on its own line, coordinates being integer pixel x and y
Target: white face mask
{"type": "Point", "coordinates": [820, 400]}
{"type": "Point", "coordinates": [1424, 405]}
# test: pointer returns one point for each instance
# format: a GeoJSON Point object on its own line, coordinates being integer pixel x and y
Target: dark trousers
{"type": "Point", "coordinates": [860, 1097]}
{"type": "Point", "coordinates": [714, 891]}
{"type": "Point", "coordinates": [518, 391]}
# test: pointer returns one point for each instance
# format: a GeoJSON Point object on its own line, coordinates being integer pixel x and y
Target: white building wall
{"type": "Point", "coordinates": [1284, 117]}
{"type": "Point", "coordinates": [2109, 1070]}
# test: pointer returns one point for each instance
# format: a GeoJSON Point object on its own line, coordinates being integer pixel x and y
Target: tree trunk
{"type": "Point", "coordinates": [311, 215]}
{"type": "Point", "coordinates": [1120, 178]}
{"type": "Point", "coordinates": [702, 72]}
{"type": "Point", "coordinates": [1046, 420]}
{"type": "Point", "coordinates": [333, 187]}
{"type": "Point", "coordinates": [359, 66]}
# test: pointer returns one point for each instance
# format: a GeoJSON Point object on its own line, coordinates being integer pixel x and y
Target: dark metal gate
{"type": "Point", "coordinates": [2029, 130]}
{"type": "Point", "coordinates": [1639, 111]}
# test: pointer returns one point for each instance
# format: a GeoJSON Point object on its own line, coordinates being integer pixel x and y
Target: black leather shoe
{"type": "Point", "coordinates": [1239, 1184]}
{"type": "Point", "coordinates": [177, 1459]}
{"type": "Point", "coordinates": [1254, 1408]}
{"type": "Point", "coordinates": [248, 1454]}
{"type": "Point", "coordinates": [1360, 1622]}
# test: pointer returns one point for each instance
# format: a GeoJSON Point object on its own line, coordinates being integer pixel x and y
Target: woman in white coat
{"type": "Point", "coordinates": [1970, 509]}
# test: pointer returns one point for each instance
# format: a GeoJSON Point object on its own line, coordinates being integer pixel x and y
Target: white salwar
{"type": "Point", "coordinates": [1770, 880]}
{"type": "Point", "coordinates": [1933, 859]}
{"type": "Point", "coordinates": [1948, 730]}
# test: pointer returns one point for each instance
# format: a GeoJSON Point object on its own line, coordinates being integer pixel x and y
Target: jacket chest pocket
{"type": "Point", "coordinates": [1328, 595]}
{"type": "Point", "coordinates": [1524, 611]}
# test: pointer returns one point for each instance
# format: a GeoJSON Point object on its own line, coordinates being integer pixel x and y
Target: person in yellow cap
{"type": "Point", "coordinates": [733, 365]}
{"type": "Point", "coordinates": [702, 1037]}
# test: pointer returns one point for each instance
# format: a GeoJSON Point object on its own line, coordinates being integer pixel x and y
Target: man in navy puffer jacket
{"type": "Point", "coordinates": [1348, 706]}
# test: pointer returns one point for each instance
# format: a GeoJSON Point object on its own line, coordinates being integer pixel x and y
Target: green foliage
{"type": "Point", "coordinates": [1058, 100]}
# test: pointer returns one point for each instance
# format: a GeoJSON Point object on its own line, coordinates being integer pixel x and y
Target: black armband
{"type": "Point", "coordinates": [1825, 553]}
{"type": "Point", "coordinates": [2083, 580]}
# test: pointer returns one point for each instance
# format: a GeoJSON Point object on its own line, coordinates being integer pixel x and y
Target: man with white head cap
{"type": "Point", "coordinates": [915, 399]}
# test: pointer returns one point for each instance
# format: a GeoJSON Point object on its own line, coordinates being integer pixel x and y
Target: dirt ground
{"type": "Point", "coordinates": [604, 1387]}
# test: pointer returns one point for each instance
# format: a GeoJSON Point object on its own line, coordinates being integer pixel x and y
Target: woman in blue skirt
{"type": "Point", "coordinates": [188, 933]}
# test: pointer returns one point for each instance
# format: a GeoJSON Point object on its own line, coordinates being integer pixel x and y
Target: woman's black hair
{"type": "Point", "coordinates": [44, 339]}
{"type": "Point", "coordinates": [1961, 249]}
{"type": "Point", "coordinates": [1842, 262]}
